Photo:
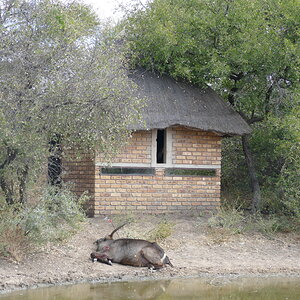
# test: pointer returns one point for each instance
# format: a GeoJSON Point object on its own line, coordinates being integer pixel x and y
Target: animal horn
{"type": "Point", "coordinates": [111, 235]}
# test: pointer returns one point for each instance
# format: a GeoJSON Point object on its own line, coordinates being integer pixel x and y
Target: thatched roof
{"type": "Point", "coordinates": [171, 103]}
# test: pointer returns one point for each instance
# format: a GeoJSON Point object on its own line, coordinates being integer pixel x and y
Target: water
{"type": "Point", "coordinates": [183, 289]}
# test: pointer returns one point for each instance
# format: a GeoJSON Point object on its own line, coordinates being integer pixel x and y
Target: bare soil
{"type": "Point", "coordinates": [193, 248]}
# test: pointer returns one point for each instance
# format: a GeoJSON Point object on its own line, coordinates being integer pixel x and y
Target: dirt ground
{"type": "Point", "coordinates": [193, 248]}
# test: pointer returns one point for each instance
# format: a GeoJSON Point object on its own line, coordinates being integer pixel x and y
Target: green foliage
{"type": "Point", "coordinates": [288, 184]}
{"type": "Point", "coordinates": [60, 76]}
{"type": "Point", "coordinates": [268, 225]}
{"type": "Point", "coordinates": [230, 221]}
{"type": "Point", "coordinates": [57, 210]}
{"type": "Point", "coordinates": [161, 231]}
{"type": "Point", "coordinates": [205, 41]}
{"type": "Point", "coordinates": [228, 218]}
{"type": "Point", "coordinates": [13, 241]}
{"type": "Point", "coordinates": [275, 144]}
{"type": "Point", "coordinates": [54, 217]}
{"type": "Point", "coordinates": [234, 172]}
{"type": "Point", "coordinates": [249, 52]}
{"type": "Point", "coordinates": [272, 224]}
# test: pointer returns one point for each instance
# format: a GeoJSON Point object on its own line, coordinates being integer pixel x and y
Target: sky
{"type": "Point", "coordinates": [107, 8]}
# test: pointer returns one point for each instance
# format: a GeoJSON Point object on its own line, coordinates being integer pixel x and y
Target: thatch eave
{"type": "Point", "coordinates": [171, 103]}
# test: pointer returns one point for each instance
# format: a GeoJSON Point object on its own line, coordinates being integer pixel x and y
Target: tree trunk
{"type": "Point", "coordinates": [256, 196]}
{"type": "Point", "coordinates": [4, 185]}
{"type": "Point", "coordinates": [22, 184]}
{"type": "Point", "coordinates": [7, 191]}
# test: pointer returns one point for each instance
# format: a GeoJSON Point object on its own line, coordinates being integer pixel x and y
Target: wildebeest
{"type": "Point", "coordinates": [132, 252]}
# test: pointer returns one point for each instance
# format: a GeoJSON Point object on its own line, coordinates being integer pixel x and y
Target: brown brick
{"type": "Point", "coordinates": [116, 193]}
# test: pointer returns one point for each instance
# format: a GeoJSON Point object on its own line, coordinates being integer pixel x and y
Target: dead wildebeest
{"type": "Point", "coordinates": [132, 252]}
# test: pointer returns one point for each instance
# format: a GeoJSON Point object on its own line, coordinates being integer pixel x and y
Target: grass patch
{"type": "Point", "coordinates": [55, 217]}
{"type": "Point", "coordinates": [162, 231]}
{"type": "Point", "coordinates": [231, 221]}
{"type": "Point", "coordinates": [271, 224]}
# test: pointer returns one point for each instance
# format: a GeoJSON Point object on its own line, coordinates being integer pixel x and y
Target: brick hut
{"type": "Point", "coordinates": [173, 160]}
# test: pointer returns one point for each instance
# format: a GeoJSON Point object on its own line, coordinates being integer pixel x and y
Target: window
{"type": "Point", "coordinates": [127, 171]}
{"type": "Point", "coordinates": [161, 146]}
{"type": "Point", "coordinates": [190, 172]}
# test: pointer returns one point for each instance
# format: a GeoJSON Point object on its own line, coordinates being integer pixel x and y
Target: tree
{"type": "Point", "coordinates": [59, 77]}
{"type": "Point", "coordinates": [247, 50]}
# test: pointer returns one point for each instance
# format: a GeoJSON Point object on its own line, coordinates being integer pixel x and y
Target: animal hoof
{"type": "Point", "coordinates": [152, 270]}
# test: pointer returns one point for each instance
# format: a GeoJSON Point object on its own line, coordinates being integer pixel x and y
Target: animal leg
{"type": "Point", "coordinates": [101, 257]}
{"type": "Point", "coordinates": [153, 257]}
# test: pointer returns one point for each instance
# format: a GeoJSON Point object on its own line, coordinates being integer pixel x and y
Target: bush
{"type": "Point", "coordinates": [229, 221]}
{"type": "Point", "coordinates": [235, 180]}
{"type": "Point", "coordinates": [272, 224]}
{"type": "Point", "coordinates": [59, 211]}
{"type": "Point", "coordinates": [228, 218]}
{"type": "Point", "coordinates": [54, 217]}
{"type": "Point", "coordinates": [13, 240]}
{"type": "Point", "coordinates": [276, 150]}
{"type": "Point", "coordinates": [161, 231]}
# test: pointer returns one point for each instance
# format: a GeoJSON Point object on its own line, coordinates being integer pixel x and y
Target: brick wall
{"type": "Point", "coordinates": [138, 150]}
{"type": "Point", "coordinates": [160, 193]}
{"type": "Point", "coordinates": [153, 194]}
{"type": "Point", "coordinates": [80, 174]}
{"type": "Point", "coordinates": [195, 147]}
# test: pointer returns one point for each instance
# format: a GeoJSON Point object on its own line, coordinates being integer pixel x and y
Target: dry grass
{"type": "Point", "coordinates": [162, 231]}
{"type": "Point", "coordinates": [219, 235]}
{"type": "Point", "coordinates": [14, 243]}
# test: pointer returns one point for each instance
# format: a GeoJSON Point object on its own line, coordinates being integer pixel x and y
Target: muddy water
{"type": "Point", "coordinates": [185, 289]}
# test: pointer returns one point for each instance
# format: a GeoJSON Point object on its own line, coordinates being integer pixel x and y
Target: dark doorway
{"type": "Point", "coordinates": [161, 146]}
{"type": "Point", "coordinates": [54, 161]}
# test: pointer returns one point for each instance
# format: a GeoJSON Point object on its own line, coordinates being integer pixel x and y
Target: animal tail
{"type": "Point", "coordinates": [111, 235]}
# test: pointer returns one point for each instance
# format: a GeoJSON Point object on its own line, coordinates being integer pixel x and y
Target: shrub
{"type": "Point", "coordinates": [228, 218]}
{"type": "Point", "coordinates": [13, 240]}
{"type": "Point", "coordinates": [58, 211]}
{"type": "Point", "coordinates": [54, 217]}
{"type": "Point", "coordinates": [276, 150]}
{"type": "Point", "coordinates": [272, 224]}
{"type": "Point", "coordinates": [161, 231]}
